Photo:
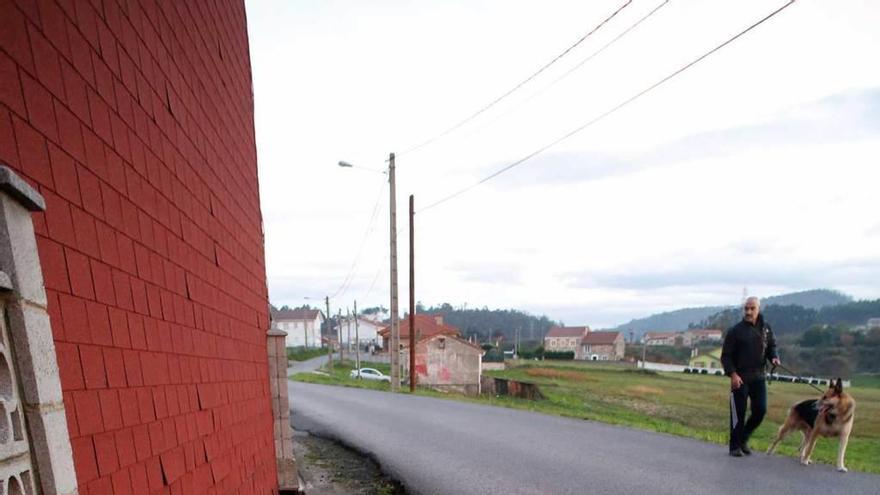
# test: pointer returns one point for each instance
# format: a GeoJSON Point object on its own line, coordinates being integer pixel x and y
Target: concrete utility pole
{"type": "Point", "coordinates": [329, 331]}
{"type": "Point", "coordinates": [357, 341]}
{"type": "Point", "coordinates": [412, 297]}
{"type": "Point", "coordinates": [395, 324]}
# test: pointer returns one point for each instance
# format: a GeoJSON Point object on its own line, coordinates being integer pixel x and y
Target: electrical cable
{"type": "Point", "coordinates": [519, 85]}
{"type": "Point", "coordinates": [607, 112]}
{"type": "Point", "coordinates": [369, 230]}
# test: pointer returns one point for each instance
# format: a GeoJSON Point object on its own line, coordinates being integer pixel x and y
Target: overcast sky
{"type": "Point", "coordinates": [756, 168]}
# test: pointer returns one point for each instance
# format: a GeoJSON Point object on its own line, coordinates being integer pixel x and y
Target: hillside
{"type": "Point", "coordinates": [713, 316]}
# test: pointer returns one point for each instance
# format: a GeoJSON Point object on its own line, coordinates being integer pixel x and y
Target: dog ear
{"type": "Point", "coordinates": [838, 387]}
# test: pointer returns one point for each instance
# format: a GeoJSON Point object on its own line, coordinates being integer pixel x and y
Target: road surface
{"type": "Point", "coordinates": [436, 446]}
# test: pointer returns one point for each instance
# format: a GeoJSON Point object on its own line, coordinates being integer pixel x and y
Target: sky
{"type": "Point", "coordinates": [755, 169]}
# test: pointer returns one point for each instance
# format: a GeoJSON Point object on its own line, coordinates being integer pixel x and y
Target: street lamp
{"type": "Point", "coordinates": [395, 324]}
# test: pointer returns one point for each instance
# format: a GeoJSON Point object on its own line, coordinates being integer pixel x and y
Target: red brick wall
{"type": "Point", "coordinates": [134, 120]}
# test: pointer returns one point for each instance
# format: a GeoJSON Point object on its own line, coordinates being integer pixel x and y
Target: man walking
{"type": "Point", "coordinates": [748, 345]}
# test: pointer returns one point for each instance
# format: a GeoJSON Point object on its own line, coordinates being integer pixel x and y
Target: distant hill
{"type": "Point", "coordinates": [810, 299]}
{"type": "Point", "coordinates": [681, 319]}
{"type": "Point", "coordinates": [668, 321]}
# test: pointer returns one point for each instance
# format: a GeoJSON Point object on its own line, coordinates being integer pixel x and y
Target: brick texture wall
{"type": "Point", "coordinates": [134, 120]}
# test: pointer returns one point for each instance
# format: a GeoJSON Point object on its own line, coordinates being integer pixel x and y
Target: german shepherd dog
{"type": "Point", "coordinates": [829, 416]}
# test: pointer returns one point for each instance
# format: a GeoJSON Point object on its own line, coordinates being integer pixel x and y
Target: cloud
{"type": "Point", "coordinates": [846, 116]}
{"type": "Point", "coordinates": [489, 273]}
{"type": "Point", "coordinates": [741, 272]}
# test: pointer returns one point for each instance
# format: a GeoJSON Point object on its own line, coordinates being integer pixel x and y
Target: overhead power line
{"type": "Point", "coordinates": [582, 62]}
{"type": "Point", "coordinates": [520, 84]}
{"type": "Point", "coordinates": [349, 277]}
{"type": "Point", "coordinates": [609, 111]}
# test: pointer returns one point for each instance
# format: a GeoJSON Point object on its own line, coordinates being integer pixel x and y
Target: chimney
{"type": "Point", "coordinates": [438, 319]}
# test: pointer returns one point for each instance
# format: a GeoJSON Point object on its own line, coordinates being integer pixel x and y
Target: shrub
{"type": "Point", "coordinates": [560, 355]}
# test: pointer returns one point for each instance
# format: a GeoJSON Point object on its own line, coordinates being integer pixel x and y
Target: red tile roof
{"type": "Point", "coordinates": [426, 326]}
{"type": "Point", "coordinates": [600, 338]}
{"type": "Point", "coordinates": [567, 331]}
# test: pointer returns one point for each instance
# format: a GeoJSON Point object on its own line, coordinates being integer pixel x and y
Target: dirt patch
{"type": "Point", "coordinates": [327, 468]}
{"type": "Point", "coordinates": [562, 374]}
{"type": "Point", "coordinates": [641, 390]}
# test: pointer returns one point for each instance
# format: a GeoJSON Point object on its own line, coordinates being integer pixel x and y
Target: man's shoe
{"type": "Point", "coordinates": [745, 449]}
{"type": "Point", "coordinates": [736, 452]}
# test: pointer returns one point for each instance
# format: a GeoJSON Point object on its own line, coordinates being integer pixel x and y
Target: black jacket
{"type": "Point", "coordinates": [747, 347]}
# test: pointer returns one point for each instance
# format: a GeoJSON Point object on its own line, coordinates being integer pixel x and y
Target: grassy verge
{"type": "Point", "coordinates": [694, 406]}
{"type": "Point", "coordinates": [304, 354]}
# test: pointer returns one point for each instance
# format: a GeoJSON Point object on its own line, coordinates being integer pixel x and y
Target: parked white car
{"type": "Point", "coordinates": [370, 374]}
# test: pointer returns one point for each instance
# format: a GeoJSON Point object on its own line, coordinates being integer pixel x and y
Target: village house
{"type": "Point", "coordinates": [660, 338]}
{"type": "Point", "coordinates": [366, 333]}
{"type": "Point", "coordinates": [564, 339]}
{"type": "Point", "coordinates": [426, 326]}
{"type": "Point", "coordinates": [446, 362]}
{"type": "Point", "coordinates": [709, 359]}
{"type": "Point", "coordinates": [601, 346]}
{"type": "Point", "coordinates": [303, 326]}
{"type": "Point", "coordinates": [697, 336]}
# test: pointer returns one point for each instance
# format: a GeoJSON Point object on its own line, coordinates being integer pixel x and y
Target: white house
{"type": "Point", "coordinates": [367, 332]}
{"type": "Point", "coordinates": [303, 326]}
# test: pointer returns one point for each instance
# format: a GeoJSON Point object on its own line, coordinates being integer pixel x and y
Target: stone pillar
{"type": "Point", "coordinates": [287, 475]}
{"type": "Point", "coordinates": [29, 371]}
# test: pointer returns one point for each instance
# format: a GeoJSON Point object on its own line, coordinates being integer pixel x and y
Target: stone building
{"type": "Point", "coordinates": [446, 362]}
{"type": "Point", "coordinates": [601, 346]}
{"type": "Point", "coordinates": [564, 339]}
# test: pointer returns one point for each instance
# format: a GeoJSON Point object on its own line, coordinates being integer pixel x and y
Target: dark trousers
{"type": "Point", "coordinates": [741, 429]}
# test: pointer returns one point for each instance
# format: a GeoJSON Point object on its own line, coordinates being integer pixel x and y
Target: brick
{"type": "Point", "coordinates": [70, 132]}
{"type": "Point", "coordinates": [40, 110]}
{"type": "Point", "coordinates": [139, 483]}
{"type": "Point", "coordinates": [136, 327]}
{"type": "Point", "coordinates": [111, 411]}
{"type": "Point", "coordinates": [173, 464]}
{"type": "Point", "coordinates": [92, 360]}
{"type": "Point", "coordinates": [105, 452]}
{"type": "Point", "coordinates": [115, 366]}
{"type": "Point", "coordinates": [100, 113]}
{"type": "Point", "coordinates": [91, 192]}
{"type": "Point", "coordinates": [122, 289]}
{"type": "Point", "coordinates": [70, 415]}
{"type": "Point", "coordinates": [85, 232]}
{"type": "Point", "coordinates": [160, 402]}
{"type": "Point", "coordinates": [141, 434]}
{"type": "Point", "coordinates": [58, 219]}
{"type": "Point", "coordinates": [81, 53]}
{"type": "Point", "coordinates": [145, 403]}
{"type": "Point", "coordinates": [69, 366]}
{"type": "Point", "coordinates": [88, 412]}
{"type": "Point", "coordinates": [129, 405]}
{"type": "Point", "coordinates": [64, 175]}
{"type": "Point", "coordinates": [119, 328]}
{"type": "Point", "coordinates": [99, 323]}
{"type": "Point", "coordinates": [53, 264]}
{"type": "Point", "coordinates": [154, 473]}
{"type": "Point", "coordinates": [10, 90]}
{"type": "Point", "coordinates": [80, 274]}
{"type": "Point", "coordinates": [104, 82]}
{"type": "Point", "coordinates": [33, 153]}
{"type": "Point", "coordinates": [101, 486]}
{"type": "Point", "coordinates": [115, 170]}
{"type": "Point", "coordinates": [133, 371]}
{"type": "Point", "coordinates": [87, 22]}
{"type": "Point", "coordinates": [53, 24]}
{"type": "Point", "coordinates": [96, 161]}
{"type": "Point", "coordinates": [77, 97]}
{"type": "Point", "coordinates": [53, 307]}
{"type": "Point", "coordinates": [14, 37]}
{"type": "Point", "coordinates": [46, 62]}
{"type": "Point", "coordinates": [112, 206]}
{"type": "Point", "coordinates": [109, 250]}
{"type": "Point", "coordinates": [157, 437]}
{"type": "Point", "coordinates": [76, 323]}
{"type": "Point", "coordinates": [8, 145]}
{"type": "Point", "coordinates": [84, 459]}
{"type": "Point", "coordinates": [103, 281]}
{"type": "Point", "coordinates": [121, 480]}
{"type": "Point", "coordinates": [108, 48]}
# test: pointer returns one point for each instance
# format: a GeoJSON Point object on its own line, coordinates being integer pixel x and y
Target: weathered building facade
{"type": "Point", "coordinates": [446, 362]}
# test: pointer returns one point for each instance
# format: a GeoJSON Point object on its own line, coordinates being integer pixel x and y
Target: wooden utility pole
{"type": "Point", "coordinates": [395, 324]}
{"type": "Point", "coordinates": [348, 331]}
{"type": "Point", "coordinates": [412, 297]}
{"type": "Point", "coordinates": [339, 335]}
{"type": "Point", "coordinates": [357, 341]}
{"type": "Point", "coordinates": [329, 320]}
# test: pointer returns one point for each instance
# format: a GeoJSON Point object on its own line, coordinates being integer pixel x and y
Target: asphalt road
{"type": "Point", "coordinates": [436, 446]}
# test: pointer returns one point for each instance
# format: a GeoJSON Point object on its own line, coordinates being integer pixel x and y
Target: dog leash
{"type": "Point", "coordinates": [798, 379]}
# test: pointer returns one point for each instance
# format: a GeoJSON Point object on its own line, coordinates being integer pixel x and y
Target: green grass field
{"type": "Point", "coordinates": [694, 406]}
{"type": "Point", "coordinates": [304, 354]}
